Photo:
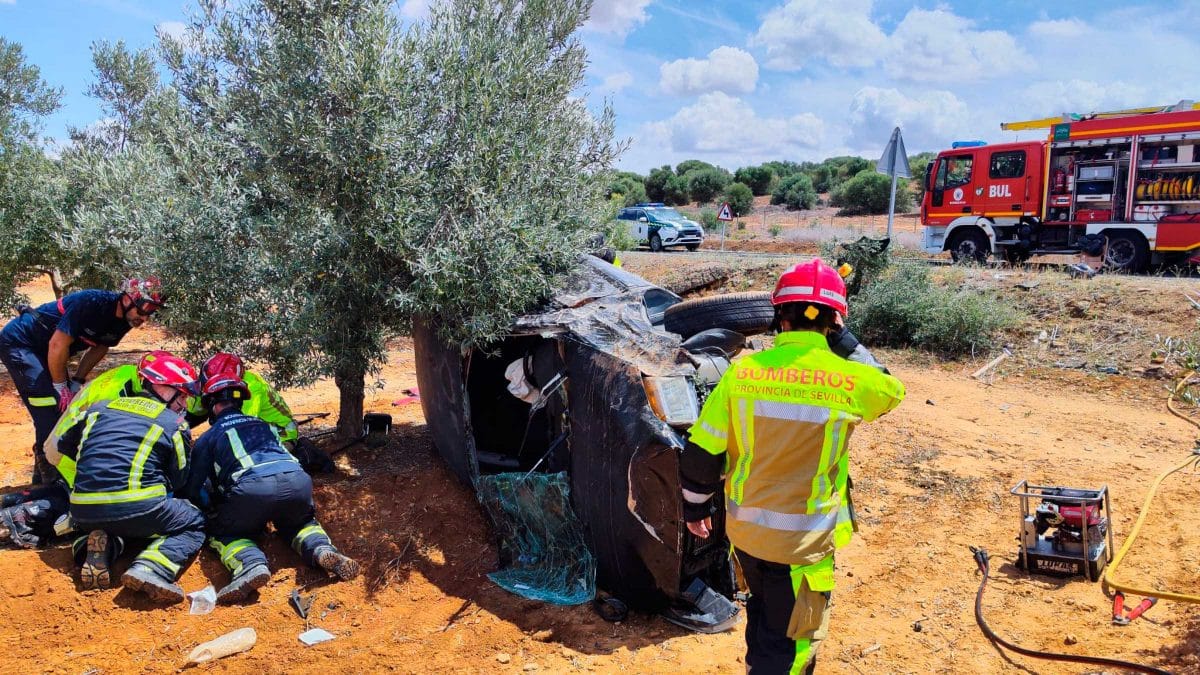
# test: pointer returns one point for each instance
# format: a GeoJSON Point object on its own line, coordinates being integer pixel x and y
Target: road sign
{"type": "Point", "coordinates": [894, 163]}
{"type": "Point", "coordinates": [725, 213]}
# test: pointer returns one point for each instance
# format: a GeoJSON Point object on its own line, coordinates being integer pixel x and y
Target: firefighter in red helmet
{"type": "Point", "coordinates": [777, 428]}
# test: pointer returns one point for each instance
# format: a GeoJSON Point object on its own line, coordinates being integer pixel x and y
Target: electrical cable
{"type": "Point", "coordinates": [981, 559]}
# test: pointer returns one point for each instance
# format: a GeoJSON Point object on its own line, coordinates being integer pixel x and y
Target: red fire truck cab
{"type": "Point", "coordinates": [1125, 187]}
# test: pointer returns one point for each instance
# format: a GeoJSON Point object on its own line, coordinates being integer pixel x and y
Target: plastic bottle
{"type": "Point", "coordinates": [239, 640]}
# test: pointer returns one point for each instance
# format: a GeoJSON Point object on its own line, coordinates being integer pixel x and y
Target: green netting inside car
{"type": "Point", "coordinates": [542, 551]}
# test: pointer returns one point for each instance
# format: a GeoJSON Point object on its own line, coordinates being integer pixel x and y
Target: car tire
{"type": "Point", "coordinates": [747, 313]}
{"type": "Point", "coordinates": [1127, 252]}
{"type": "Point", "coordinates": [656, 243]}
{"type": "Point", "coordinates": [693, 247]}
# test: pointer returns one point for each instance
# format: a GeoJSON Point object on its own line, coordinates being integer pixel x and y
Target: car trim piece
{"type": "Point", "coordinates": [788, 522]}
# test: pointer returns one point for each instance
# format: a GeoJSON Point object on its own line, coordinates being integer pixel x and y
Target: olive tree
{"type": "Point", "coordinates": [329, 176]}
{"type": "Point", "coordinates": [30, 185]}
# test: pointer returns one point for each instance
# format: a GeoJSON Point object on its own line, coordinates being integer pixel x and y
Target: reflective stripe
{"type": "Point", "coordinates": [713, 431]}
{"type": "Point", "coordinates": [154, 555]}
{"type": "Point", "coordinates": [143, 453]}
{"type": "Point", "coordinates": [796, 412]}
{"type": "Point", "coordinates": [120, 496]}
{"type": "Point", "coordinates": [695, 497]}
{"type": "Point", "coordinates": [238, 474]}
{"type": "Point", "coordinates": [794, 290]}
{"type": "Point", "coordinates": [42, 401]}
{"type": "Point", "coordinates": [66, 469]}
{"type": "Point", "coordinates": [788, 522]}
{"type": "Point", "coordinates": [311, 530]}
{"type": "Point", "coordinates": [239, 451]}
{"type": "Point", "coordinates": [229, 551]}
{"type": "Point", "coordinates": [87, 429]}
{"type": "Point", "coordinates": [180, 451]}
{"type": "Point", "coordinates": [740, 473]}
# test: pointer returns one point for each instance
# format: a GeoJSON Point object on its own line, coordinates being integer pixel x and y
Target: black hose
{"type": "Point", "coordinates": [981, 559]}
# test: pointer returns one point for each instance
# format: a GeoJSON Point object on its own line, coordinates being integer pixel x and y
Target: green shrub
{"type": "Point", "coordinates": [757, 178]}
{"type": "Point", "coordinates": [705, 184]}
{"type": "Point", "coordinates": [905, 307]}
{"type": "Point", "coordinates": [740, 198]}
{"type": "Point", "coordinates": [796, 191]}
{"type": "Point", "coordinates": [656, 183]}
{"type": "Point", "coordinates": [675, 191]}
{"type": "Point", "coordinates": [866, 256]}
{"type": "Point", "coordinates": [708, 220]}
{"type": "Point", "coordinates": [775, 229]}
{"type": "Point", "coordinates": [869, 193]}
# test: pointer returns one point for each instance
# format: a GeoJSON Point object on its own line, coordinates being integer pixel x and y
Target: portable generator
{"type": "Point", "coordinates": [1068, 533]}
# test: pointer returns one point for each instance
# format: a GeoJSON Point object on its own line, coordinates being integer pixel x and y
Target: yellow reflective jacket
{"type": "Point", "coordinates": [783, 418]}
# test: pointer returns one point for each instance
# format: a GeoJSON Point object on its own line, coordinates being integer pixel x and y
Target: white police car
{"type": "Point", "coordinates": [659, 226]}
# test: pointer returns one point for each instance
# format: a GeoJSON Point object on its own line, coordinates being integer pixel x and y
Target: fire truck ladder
{"type": "Point", "coordinates": [1047, 122]}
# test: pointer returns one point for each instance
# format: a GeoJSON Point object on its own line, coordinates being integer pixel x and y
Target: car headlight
{"type": "Point", "coordinates": [673, 399]}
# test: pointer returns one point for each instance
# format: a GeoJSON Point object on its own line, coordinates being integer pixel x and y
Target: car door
{"type": "Point", "coordinates": [1003, 191]}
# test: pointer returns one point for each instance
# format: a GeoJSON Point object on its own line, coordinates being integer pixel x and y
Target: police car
{"type": "Point", "coordinates": [659, 226]}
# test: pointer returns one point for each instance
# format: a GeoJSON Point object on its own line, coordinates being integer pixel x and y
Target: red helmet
{"type": "Point", "coordinates": [225, 387]}
{"type": "Point", "coordinates": [222, 363]}
{"type": "Point", "coordinates": [812, 282]}
{"type": "Point", "coordinates": [147, 294]}
{"type": "Point", "coordinates": [161, 367]}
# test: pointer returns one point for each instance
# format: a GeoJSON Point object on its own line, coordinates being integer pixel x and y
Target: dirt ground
{"type": "Point", "coordinates": [931, 478]}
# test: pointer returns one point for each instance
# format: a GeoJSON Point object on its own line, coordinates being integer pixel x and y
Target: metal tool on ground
{"type": "Point", "coordinates": [983, 561]}
{"type": "Point", "coordinates": [1068, 533]}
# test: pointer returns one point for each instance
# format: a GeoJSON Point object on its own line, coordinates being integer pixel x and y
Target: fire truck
{"type": "Point", "coordinates": [1123, 185]}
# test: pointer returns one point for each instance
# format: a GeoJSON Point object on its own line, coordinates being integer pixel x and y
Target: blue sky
{"type": "Point", "coordinates": [738, 83]}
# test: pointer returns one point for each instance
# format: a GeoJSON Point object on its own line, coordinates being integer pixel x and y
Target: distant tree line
{"type": "Point", "coordinates": [851, 183]}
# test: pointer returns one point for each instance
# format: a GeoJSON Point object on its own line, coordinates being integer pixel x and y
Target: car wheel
{"type": "Point", "coordinates": [1127, 252]}
{"type": "Point", "coordinates": [969, 245]}
{"type": "Point", "coordinates": [693, 247]}
{"type": "Point", "coordinates": [747, 313]}
{"type": "Point", "coordinates": [656, 243]}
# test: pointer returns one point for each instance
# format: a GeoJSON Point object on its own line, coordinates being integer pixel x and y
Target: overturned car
{"type": "Point", "coordinates": [594, 387]}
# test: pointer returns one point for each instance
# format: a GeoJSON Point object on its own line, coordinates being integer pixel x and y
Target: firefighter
{"type": "Point", "coordinates": [253, 480]}
{"type": "Point", "coordinates": [36, 345]}
{"type": "Point", "coordinates": [778, 424]}
{"type": "Point", "coordinates": [133, 453]}
{"type": "Point", "coordinates": [264, 402]}
{"type": "Point", "coordinates": [34, 516]}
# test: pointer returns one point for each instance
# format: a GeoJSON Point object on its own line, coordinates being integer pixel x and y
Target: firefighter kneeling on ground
{"type": "Point", "coordinates": [131, 454]}
{"type": "Point", "coordinates": [253, 480]}
{"type": "Point", "coordinates": [777, 429]}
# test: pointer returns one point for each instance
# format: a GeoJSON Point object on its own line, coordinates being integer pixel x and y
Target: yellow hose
{"type": "Point", "coordinates": [1192, 460]}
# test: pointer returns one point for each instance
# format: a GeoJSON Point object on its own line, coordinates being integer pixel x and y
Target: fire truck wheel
{"type": "Point", "coordinates": [1127, 252]}
{"type": "Point", "coordinates": [969, 245]}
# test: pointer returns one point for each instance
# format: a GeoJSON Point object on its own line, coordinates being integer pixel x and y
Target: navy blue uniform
{"type": "Point", "coordinates": [132, 454]}
{"type": "Point", "coordinates": [253, 480]}
{"type": "Point", "coordinates": [87, 316]}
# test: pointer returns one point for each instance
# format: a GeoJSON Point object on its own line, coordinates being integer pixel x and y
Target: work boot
{"type": "Point", "coordinates": [96, 571]}
{"type": "Point", "coordinates": [244, 582]}
{"type": "Point", "coordinates": [144, 578]}
{"type": "Point", "coordinates": [329, 559]}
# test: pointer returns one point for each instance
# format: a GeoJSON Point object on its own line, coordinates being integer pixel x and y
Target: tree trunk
{"type": "Point", "coordinates": [350, 384]}
{"type": "Point", "coordinates": [56, 282]}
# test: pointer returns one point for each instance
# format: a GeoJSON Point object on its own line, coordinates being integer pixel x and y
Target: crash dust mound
{"type": "Point", "coordinates": [932, 479]}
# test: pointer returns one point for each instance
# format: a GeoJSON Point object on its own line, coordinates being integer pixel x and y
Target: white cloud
{"type": "Point", "coordinates": [8, 2]}
{"type": "Point", "coordinates": [1083, 96]}
{"type": "Point", "coordinates": [617, 17]}
{"type": "Point", "coordinates": [930, 121]}
{"type": "Point", "coordinates": [940, 46]}
{"type": "Point", "coordinates": [842, 33]}
{"type": "Point", "coordinates": [176, 29]}
{"type": "Point", "coordinates": [722, 124]}
{"type": "Point", "coordinates": [726, 69]}
{"type": "Point", "coordinates": [1058, 29]}
{"type": "Point", "coordinates": [616, 82]}
{"type": "Point", "coordinates": [414, 10]}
